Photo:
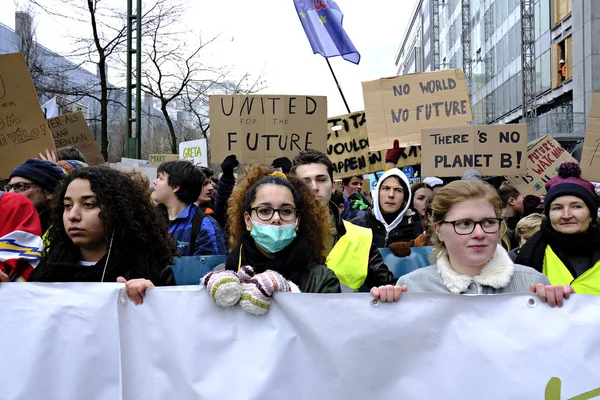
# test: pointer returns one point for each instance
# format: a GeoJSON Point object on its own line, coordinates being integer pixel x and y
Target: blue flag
{"type": "Point", "coordinates": [322, 22]}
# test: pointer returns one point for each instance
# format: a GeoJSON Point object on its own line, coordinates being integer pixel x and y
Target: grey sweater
{"type": "Point", "coordinates": [500, 275]}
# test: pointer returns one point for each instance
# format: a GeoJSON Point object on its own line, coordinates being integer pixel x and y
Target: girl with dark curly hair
{"type": "Point", "coordinates": [277, 223]}
{"type": "Point", "coordinates": [105, 228]}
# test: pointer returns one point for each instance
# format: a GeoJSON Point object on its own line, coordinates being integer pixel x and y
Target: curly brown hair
{"type": "Point", "coordinates": [314, 216]}
{"type": "Point", "coordinates": [140, 232]}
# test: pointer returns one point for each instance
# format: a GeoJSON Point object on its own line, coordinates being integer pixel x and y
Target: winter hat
{"type": "Point", "coordinates": [433, 181]}
{"type": "Point", "coordinates": [471, 174]}
{"type": "Point", "coordinates": [71, 165]}
{"type": "Point", "coordinates": [43, 173]}
{"type": "Point", "coordinates": [569, 183]}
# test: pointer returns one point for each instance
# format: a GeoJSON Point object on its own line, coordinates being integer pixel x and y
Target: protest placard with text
{"type": "Point", "coordinates": [543, 160]}
{"type": "Point", "coordinates": [399, 107]}
{"type": "Point", "coordinates": [72, 130]}
{"type": "Point", "coordinates": [158, 159]}
{"type": "Point", "coordinates": [195, 151]}
{"type": "Point", "coordinates": [490, 149]}
{"type": "Point", "coordinates": [23, 130]}
{"type": "Point", "coordinates": [590, 156]}
{"type": "Point", "coordinates": [259, 129]}
{"type": "Point", "coordinates": [348, 147]}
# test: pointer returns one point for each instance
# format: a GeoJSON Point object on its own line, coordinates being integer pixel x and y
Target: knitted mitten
{"type": "Point", "coordinates": [224, 287]}
{"type": "Point", "coordinates": [258, 289]}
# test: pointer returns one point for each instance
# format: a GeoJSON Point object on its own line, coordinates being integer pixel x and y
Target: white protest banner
{"type": "Point", "coordinates": [399, 107]}
{"type": "Point", "coordinates": [23, 130]}
{"type": "Point", "coordinates": [180, 345]}
{"type": "Point", "coordinates": [259, 129]}
{"type": "Point", "coordinates": [195, 151]}
{"type": "Point", "coordinates": [590, 156]}
{"type": "Point", "coordinates": [543, 160]}
{"type": "Point", "coordinates": [59, 341]}
{"type": "Point", "coordinates": [72, 130]}
{"type": "Point", "coordinates": [348, 148]}
{"type": "Point", "coordinates": [490, 149]}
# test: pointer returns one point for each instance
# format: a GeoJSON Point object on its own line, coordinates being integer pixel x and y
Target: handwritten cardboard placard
{"type": "Point", "coordinates": [590, 155]}
{"type": "Point", "coordinates": [490, 149]}
{"type": "Point", "coordinates": [399, 107]}
{"type": "Point", "coordinates": [23, 130]}
{"type": "Point", "coordinates": [72, 130]}
{"type": "Point", "coordinates": [348, 148]}
{"type": "Point", "coordinates": [543, 159]}
{"type": "Point", "coordinates": [259, 129]}
{"type": "Point", "coordinates": [195, 151]}
{"type": "Point", "coordinates": [158, 159]}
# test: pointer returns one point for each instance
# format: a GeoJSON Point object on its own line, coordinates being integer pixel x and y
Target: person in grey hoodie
{"type": "Point", "coordinates": [467, 226]}
{"type": "Point", "coordinates": [391, 218]}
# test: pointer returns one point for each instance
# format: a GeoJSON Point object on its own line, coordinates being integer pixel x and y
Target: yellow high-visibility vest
{"type": "Point", "coordinates": [349, 258]}
{"type": "Point", "coordinates": [559, 274]}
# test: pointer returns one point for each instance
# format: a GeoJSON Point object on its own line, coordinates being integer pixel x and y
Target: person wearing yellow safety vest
{"type": "Point", "coordinates": [350, 250]}
{"type": "Point", "coordinates": [567, 248]}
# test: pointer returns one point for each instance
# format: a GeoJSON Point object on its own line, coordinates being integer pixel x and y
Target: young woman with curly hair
{"type": "Point", "coordinates": [105, 228]}
{"type": "Point", "coordinates": [277, 223]}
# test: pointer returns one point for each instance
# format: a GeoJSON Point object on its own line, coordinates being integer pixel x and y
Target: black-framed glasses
{"type": "Point", "coordinates": [467, 226]}
{"type": "Point", "coordinates": [265, 213]}
{"type": "Point", "coordinates": [19, 187]}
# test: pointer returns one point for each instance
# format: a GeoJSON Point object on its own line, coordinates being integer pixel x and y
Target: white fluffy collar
{"type": "Point", "coordinates": [497, 273]}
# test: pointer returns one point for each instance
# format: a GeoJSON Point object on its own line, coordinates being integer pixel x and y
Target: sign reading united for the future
{"type": "Point", "coordinates": [399, 107]}
{"type": "Point", "coordinates": [259, 129]}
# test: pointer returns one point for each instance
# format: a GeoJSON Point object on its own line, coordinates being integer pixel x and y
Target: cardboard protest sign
{"type": "Point", "coordinates": [348, 147]}
{"type": "Point", "coordinates": [23, 130]}
{"type": "Point", "coordinates": [543, 159]}
{"type": "Point", "coordinates": [590, 156]}
{"type": "Point", "coordinates": [399, 107]}
{"type": "Point", "coordinates": [195, 151]}
{"type": "Point", "coordinates": [72, 130]}
{"type": "Point", "coordinates": [490, 149]}
{"type": "Point", "coordinates": [158, 159]}
{"type": "Point", "coordinates": [259, 129]}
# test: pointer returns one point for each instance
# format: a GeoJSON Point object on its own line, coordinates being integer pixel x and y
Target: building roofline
{"type": "Point", "coordinates": [417, 7]}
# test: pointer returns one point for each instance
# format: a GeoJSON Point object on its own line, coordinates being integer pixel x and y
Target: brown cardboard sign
{"type": "Point", "coordinates": [23, 130]}
{"type": "Point", "coordinates": [543, 159]}
{"type": "Point", "coordinates": [348, 147]}
{"type": "Point", "coordinates": [72, 130]}
{"type": "Point", "coordinates": [490, 149]}
{"type": "Point", "coordinates": [399, 107]}
{"type": "Point", "coordinates": [158, 159]}
{"type": "Point", "coordinates": [590, 156]}
{"type": "Point", "coordinates": [259, 129]}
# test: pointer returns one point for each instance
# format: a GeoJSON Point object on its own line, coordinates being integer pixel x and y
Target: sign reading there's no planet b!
{"type": "Point", "coordinates": [259, 129]}
{"type": "Point", "coordinates": [493, 150]}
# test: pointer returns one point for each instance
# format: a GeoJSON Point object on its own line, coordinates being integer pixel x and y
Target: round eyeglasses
{"type": "Point", "coordinates": [265, 213]}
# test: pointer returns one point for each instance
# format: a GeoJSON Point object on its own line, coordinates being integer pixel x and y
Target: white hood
{"type": "Point", "coordinates": [375, 195]}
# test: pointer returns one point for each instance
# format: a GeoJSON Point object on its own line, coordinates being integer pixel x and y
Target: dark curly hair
{"type": "Point", "coordinates": [140, 232]}
{"type": "Point", "coordinates": [314, 216]}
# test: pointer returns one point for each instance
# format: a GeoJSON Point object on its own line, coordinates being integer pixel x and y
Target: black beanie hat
{"type": "Point", "coordinates": [43, 173]}
{"type": "Point", "coordinates": [569, 183]}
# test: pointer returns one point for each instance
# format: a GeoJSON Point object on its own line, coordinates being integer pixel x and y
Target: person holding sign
{"type": "Point", "coordinates": [276, 224]}
{"type": "Point", "coordinates": [391, 218]}
{"type": "Point", "coordinates": [467, 226]}
{"type": "Point", "coordinates": [567, 248]}
{"type": "Point", "coordinates": [105, 228]}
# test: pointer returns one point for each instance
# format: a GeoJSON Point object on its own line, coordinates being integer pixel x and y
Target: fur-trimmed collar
{"type": "Point", "coordinates": [497, 273]}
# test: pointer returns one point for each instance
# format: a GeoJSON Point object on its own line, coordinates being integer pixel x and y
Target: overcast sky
{"type": "Point", "coordinates": [267, 36]}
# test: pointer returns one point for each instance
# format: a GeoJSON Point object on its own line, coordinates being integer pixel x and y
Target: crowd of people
{"type": "Point", "coordinates": [64, 221]}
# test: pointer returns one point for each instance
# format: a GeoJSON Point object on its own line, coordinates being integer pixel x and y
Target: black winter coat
{"type": "Point", "coordinates": [407, 230]}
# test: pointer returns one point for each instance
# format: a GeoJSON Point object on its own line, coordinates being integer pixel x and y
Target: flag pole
{"type": "Point", "coordinates": [338, 85]}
